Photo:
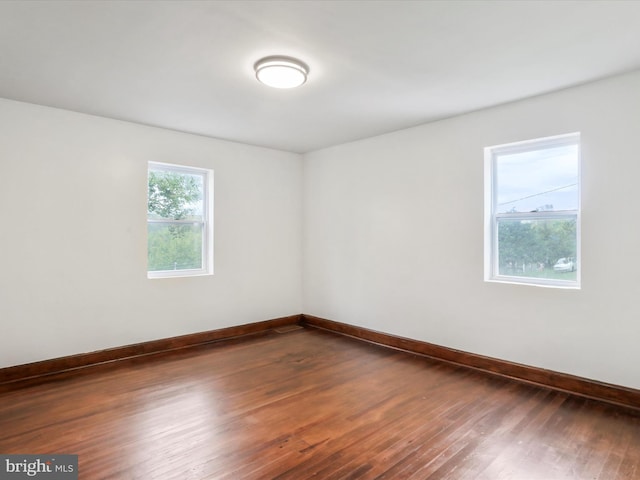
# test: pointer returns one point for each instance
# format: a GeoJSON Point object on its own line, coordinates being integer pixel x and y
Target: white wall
{"type": "Point", "coordinates": [393, 236]}
{"type": "Point", "coordinates": [73, 236]}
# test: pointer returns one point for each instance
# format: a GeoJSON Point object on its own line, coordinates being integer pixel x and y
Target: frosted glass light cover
{"type": "Point", "coordinates": [280, 72]}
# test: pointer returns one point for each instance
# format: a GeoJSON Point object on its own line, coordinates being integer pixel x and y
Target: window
{"type": "Point", "coordinates": [179, 221]}
{"type": "Point", "coordinates": [532, 212]}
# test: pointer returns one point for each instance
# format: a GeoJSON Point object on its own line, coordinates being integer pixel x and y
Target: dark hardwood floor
{"type": "Point", "coordinates": [312, 404]}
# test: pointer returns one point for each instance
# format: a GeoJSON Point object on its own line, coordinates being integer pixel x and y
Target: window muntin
{"type": "Point", "coordinates": [179, 221]}
{"type": "Point", "coordinates": [532, 212]}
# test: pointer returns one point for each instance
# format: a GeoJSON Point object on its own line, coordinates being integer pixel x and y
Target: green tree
{"type": "Point", "coordinates": [168, 251]}
{"type": "Point", "coordinates": [516, 242]}
{"type": "Point", "coordinates": [174, 196]}
{"type": "Point", "coordinates": [536, 243]}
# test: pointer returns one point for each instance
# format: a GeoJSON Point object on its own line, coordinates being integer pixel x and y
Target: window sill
{"type": "Point", "coordinates": [527, 281]}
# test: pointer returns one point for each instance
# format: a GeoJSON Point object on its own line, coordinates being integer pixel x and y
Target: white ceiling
{"type": "Point", "coordinates": [376, 66]}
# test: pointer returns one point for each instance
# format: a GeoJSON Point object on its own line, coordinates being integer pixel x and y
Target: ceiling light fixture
{"type": "Point", "coordinates": [281, 72]}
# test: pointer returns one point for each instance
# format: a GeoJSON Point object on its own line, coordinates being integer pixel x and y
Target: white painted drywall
{"type": "Point", "coordinates": [73, 237]}
{"type": "Point", "coordinates": [393, 236]}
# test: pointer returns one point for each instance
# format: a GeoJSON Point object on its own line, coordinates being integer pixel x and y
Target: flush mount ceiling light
{"type": "Point", "coordinates": [281, 72]}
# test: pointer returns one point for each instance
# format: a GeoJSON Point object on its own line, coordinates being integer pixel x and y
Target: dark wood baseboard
{"type": "Point", "coordinates": [623, 396]}
{"type": "Point", "coordinates": [72, 363]}
{"type": "Point", "coordinates": [32, 373]}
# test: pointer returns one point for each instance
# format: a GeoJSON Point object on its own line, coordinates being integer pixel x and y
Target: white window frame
{"type": "Point", "coordinates": [207, 221]}
{"type": "Point", "coordinates": [491, 257]}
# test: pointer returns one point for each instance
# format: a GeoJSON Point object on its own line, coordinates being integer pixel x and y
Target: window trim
{"type": "Point", "coordinates": [492, 217]}
{"type": "Point", "coordinates": [207, 222]}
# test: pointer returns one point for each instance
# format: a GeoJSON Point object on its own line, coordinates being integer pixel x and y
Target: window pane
{"type": "Point", "coordinates": [537, 180]}
{"type": "Point", "coordinates": [175, 195]}
{"type": "Point", "coordinates": [174, 246]}
{"type": "Point", "coordinates": [538, 248]}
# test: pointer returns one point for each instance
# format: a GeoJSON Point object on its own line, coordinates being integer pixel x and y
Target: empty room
{"type": "Point", "coordinates": [320, 239]}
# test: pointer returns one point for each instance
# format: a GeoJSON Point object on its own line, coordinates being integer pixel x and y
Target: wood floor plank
{"type": "Point", "coordinates": [307, 403]}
